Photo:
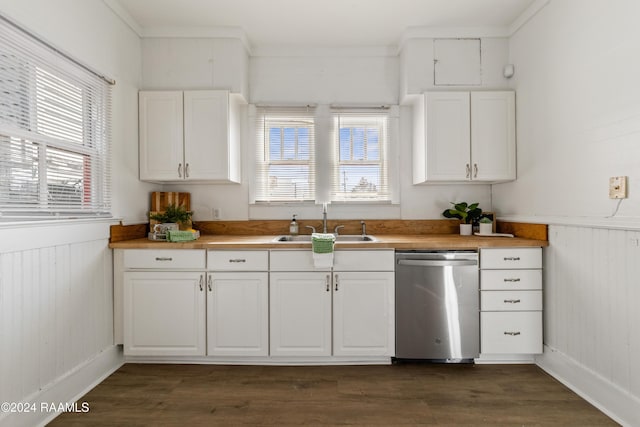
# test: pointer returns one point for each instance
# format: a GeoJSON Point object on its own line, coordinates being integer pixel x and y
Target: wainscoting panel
{"type": "Point", "coordinates": [592, 308]}
{"type": "Point", "coordinates": [56, 309]}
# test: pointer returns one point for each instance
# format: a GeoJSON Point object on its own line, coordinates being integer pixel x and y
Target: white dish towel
{"type": "Point", "coordinates": [322, 248]}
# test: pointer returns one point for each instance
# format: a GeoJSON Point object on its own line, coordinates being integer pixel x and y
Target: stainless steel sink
{"type": "Point", "coordinates": [351, 238]}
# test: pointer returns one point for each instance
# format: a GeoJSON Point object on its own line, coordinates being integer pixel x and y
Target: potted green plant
{"type": "Point", "coordinates": [486, 225]}
{"type": "Point", "coordinates": [465, 212]}
{"type": "Point", "coordinates": [173, 214]}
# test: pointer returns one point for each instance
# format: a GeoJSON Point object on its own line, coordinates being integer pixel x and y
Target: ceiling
{"type": "Point", "coordinates": [319, 22]}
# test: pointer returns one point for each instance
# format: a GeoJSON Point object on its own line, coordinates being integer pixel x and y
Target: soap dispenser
{"type": "Point", "coordinates": [293, 226]}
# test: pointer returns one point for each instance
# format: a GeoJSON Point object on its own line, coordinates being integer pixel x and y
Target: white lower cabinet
{"type": "Point", "coordinates": [257, 303]}
{"type": "Point", "coordinates": [345, 313]}
{"type": "Point", "coordinates": [237, 314]}
{"type": "Point", "coordinates": [300, 320]}
{"type": "Point", "coordinates": [511, 301]}
{"type": "Point", "coordinates": [363, 314]}
{"type": "Point", "coordinates": [164, 314]}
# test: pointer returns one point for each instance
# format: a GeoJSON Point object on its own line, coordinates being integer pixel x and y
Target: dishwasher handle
{"type": "Point", "coordinates": [437, 263]}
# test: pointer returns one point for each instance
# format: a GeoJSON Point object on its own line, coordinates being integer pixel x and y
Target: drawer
{"type": "Point", "coordinates": [505, 280]}
{"type": "Point", "coordinates": [238, 260]}
{"type": "Point", "coordinates": [164, 259]}
{"type": "Point", "coordinates": [510, 300]}
{"type": "Point", "coordinates": [371, 260]}
{"type": "Point", "coordinates": [511, 332]}
{"type": "Point", "coordinates": [508, 258]}
{"type": "Point", "coordinates": [292, 260]}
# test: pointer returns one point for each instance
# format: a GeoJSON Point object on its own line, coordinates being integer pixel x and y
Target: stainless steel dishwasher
{"type": "Point", "coordinates": [437, 306]}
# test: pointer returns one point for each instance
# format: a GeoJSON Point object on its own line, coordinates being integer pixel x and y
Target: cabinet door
{"type": "Point", "coordinates": [237, 314]}
{"type": "Point", "coordinates": [447, 136]}
{"type": "Point", "coordinates": [164, 314]}
{"type": "Point", "coordinates": [300, 315]}
{"type": "Point", "coordinates": [206, 135]}
{"type": "Point", "coordinates": [493, 136]}
{"type": "Point", "coordinates": [161, 147]}
{"type": "Point", "coordinates": [363, 314]}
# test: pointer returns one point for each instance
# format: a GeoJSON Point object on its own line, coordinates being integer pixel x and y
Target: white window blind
{"type": "Point", "coordinates": [285, 161]}
{"type": "Point", "coordinates": [360, 162]}
{"type": "Point", "coordinates": [54, 131]}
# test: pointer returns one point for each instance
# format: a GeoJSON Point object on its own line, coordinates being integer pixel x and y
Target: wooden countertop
{"type": "Point", "coordinates": [384, 241]}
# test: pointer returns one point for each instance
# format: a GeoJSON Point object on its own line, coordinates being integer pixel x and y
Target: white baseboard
{"type": "Point", "coordinates": [618, 404]}
{"type": "Point", "coordinates": [68, 388]}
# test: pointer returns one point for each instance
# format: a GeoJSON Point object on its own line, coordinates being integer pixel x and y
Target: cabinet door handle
{"type": "Point", "coordinates": [513, 334]}
{"type": "Point", "coordinates": [475, 170]}
{"type": "Point", "coordinates": [160, 258]}
{"type": "Point", "coordinates": [512, 279]}
{"type": "Point", "coordinates": [512, 258]}
{"type": "Point", "coordinates": [468, 170]}
{"type": "Point", "coordinates": [209, 283]}
{"type": "Point", "coordinates": [336, 283]}
{"type": "Point", "coordinates": [328, 283]}
{"type": "Point", "coordinates": [186, 170]}
{"type": "Point", "coordinates": [237, 260]}
{"type": "Point", "coordinates": [201, 283]}
{"type": "Point", "coordinates": [511, 301]}
{"type": "Point", "coordinates": [179, 170]}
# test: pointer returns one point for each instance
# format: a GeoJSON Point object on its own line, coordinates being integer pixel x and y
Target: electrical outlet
{"type": "Point", "coordinates": [618, 187]}
{"type": "Point", "coordinates": [216, 213]}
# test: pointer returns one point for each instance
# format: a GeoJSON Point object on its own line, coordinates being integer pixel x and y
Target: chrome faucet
{"type": "Point", "coordinates": [336, 230]}
{"type": "Point", "coordinates": [364, 228]}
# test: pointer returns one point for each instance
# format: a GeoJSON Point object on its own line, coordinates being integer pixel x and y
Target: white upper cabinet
{"type": "Point", "coordinates": [189, 136]}
{"type": "Point", "coordinates": [493, 136]}
{"type": "Point", "coordinates": [464, 136]}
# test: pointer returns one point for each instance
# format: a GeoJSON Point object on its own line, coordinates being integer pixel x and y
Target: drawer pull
{"type": "Point", "coordinates": [513, 334]}
{"type": "Point", "coordinates": [159, 258]}
{"type": "Point", "coordinates": [513, 279]}
{"type": "Point", "coordinates": [511, 301]}
{"type": "Point", "coordinates": [512, 258]}
{"type": "Point", "coordinates": [238, 260]}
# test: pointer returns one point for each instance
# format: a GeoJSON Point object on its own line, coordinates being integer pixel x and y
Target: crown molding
{"type": "Point", "coordinates": [285, 51]}
{"type": "Point", "coordinates": [121, 12]}
{"type": "Point", "coordinates": [525, 16]}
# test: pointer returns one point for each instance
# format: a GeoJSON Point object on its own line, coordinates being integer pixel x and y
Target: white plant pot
{"type": "Point", "coordinates": [465, 229]}
{"type": "Point", "coordinates": [486, 228]}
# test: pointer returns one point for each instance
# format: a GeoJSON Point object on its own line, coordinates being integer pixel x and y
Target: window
{"type": "Point", "coordinates": [349, 163]}
{"type": "Point", "coordinates": [360, 162]}
{"type": "Point", "coordinates": [54, 131]}
{"type": "Point", "coordinates": [285, 167]}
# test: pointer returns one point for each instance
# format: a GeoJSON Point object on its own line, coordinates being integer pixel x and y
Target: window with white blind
{"type": "Point", "coordinates": [54, 131]}
{"type": "Point", "coordinates": [285, 161]}
{"type": "Point", "coordinates": [360, 166]}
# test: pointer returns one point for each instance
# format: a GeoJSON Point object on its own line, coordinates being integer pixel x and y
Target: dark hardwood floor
{"type": "Point", "coordinates": [397, 395]}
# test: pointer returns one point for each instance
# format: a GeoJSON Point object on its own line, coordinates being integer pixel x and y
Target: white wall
{"type": "Point", "coordinates": [56, 282]}
{"type": "Point", "coordinates": [578, 110]}
{"type": "Point", "coordinates": [323, 76]}
{"type": "Point", "coordinates": [578, 114]}
{"type": "Point", "coordinates": [90, 32]}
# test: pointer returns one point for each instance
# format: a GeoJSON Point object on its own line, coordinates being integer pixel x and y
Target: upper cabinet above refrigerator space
{"type": "Point", "coordinates": [464, 137]}
{"type": "Point", "coordinates": [189, 136]}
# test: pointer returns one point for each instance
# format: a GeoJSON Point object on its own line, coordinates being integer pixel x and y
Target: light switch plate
{"type": "Point", "coordinates": [618, 187]}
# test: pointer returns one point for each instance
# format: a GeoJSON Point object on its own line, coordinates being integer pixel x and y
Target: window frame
{"type": "Point", "coordinates": [366, 119]}
{"type": "Point", "coordinates": [46, 83]}
{"type": "Point", "coordinates": [297, 118]}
